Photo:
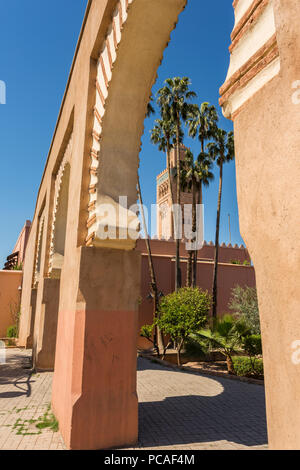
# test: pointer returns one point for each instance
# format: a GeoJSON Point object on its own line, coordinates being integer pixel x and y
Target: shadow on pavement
{"type": "Point", "coordinates": [237, 414]}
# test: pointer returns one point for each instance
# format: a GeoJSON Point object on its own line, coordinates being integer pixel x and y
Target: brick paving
{"type": "Point", "coordinates": [182, 410]}
{"type": "Point", "coordinates": [177, 410]}
{"type": "Point", "coordinates": [24, 397]}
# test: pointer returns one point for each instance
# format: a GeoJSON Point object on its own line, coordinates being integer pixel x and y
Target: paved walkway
{"type": "Point", "coordinates": [24, 400]}
{"type": "Point", "coordinates": [191, 411]}
{"type": "Point", "coordinates": [178, 410]}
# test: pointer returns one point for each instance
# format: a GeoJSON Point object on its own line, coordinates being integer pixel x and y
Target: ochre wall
{"type": "Point", "coordinates": [10, 281]}
{"type": "Point", "coordinates": [262, 97]}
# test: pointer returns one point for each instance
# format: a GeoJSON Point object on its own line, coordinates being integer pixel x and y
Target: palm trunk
{"type": "Point", "coordinates": [199, 201]}
{"type": "Point", "coordinates": [215, 284]}
{"type": "Point", "coordinates": [195, 258]}
{"type": "Point", "coordinates": [177, 262]}
{"type": "Point", "coordinates": [190, 268]}
{"type": "Point", "coordinates": [170, 186]}
{"type": "Point", "coordinates": [158, 339]}
{"type": "Point", "coordinates": [230, 365]}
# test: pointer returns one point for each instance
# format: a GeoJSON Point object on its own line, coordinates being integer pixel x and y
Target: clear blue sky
{"type": "Point", "coordinates": [38, 40]}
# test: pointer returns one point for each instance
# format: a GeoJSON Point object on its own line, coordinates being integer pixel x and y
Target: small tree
{"type": "Point", "coordinates": [182, 313]}
{"type": "Point", "coordinates": [244, 305]}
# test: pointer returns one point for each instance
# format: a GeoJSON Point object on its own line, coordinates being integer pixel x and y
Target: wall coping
{"type": "Point", "coordinates": [4, 271]}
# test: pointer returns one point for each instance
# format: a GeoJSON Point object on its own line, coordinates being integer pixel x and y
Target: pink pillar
{"type": "Point", "coordinates": [94, 389]}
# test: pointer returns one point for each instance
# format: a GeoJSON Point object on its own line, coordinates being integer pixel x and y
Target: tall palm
{"type": "Point", "coordinates": [222, 151]}
{"type": "Point", "coordinates": [202, 124]}
{"type": "Point", "coordinates": [189, 179]}
{"type": "Point", "coordinates": [194, 175]}
{"type": "Point", "coordinates": [205, 175]}
{"type": "Point", "coordinates": [157, 340]}
{"type": "Point", "coordinates": [174, 101]}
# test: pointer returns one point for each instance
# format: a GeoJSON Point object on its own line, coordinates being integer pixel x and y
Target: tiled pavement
{"type": "Point", "coordinates": [24, 397]}
{"type": "Point", "coordinates": [178, 410]}
{"type": "Point", "coordinates": [184, 410]}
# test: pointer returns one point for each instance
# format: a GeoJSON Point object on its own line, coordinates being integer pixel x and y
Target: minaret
{"type": "Point", "coordinates": [163, 198]}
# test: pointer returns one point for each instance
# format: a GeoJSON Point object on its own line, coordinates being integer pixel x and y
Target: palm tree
{"type": "Point", "coordinates": [226, 335]}
{"type": "Point", "coordinates": [189, 179]}
{"type": "Point", "coordinates": [202, 124]}
{"type": "Point", "coordinates": [205, 175]}
{"type": "Point", "coordinates": [174, 101]}
{"type": "Point", "coordinates": [194, 175]}
{"type": "Point", "coordinates": [222, 151]}
{"type": "Point", "coordinates": [157, 337]}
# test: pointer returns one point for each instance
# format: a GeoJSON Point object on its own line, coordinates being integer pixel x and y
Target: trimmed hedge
{"type": "Point", "coordinates": [243, 366]}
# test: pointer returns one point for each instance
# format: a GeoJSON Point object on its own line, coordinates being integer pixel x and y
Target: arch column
{"type": "Point", "coordinates": [94, 389]}
{"type": "Point", "coordinates": [96, 402]}
{"type": "Point", "coordinates": [262, 96]}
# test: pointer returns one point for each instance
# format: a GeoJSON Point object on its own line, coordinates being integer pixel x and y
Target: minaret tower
{"type": "Point", "coordinates": [163, 198]}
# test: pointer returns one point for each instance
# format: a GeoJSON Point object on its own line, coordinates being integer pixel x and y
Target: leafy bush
{"type": "Point", "coordinates": [244, 305]}
{"type": "Point", "coordinates": [182, 313]}
{"type": "Point", "coordinates": [244, 368]}
{"type": "Point", "coordinates": [12, 332]}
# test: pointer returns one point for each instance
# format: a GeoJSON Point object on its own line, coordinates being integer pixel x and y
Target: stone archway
{"type": "Point", "coordinates": [120, 48]}
{"type": "Point", "coordinates": [97, 406]}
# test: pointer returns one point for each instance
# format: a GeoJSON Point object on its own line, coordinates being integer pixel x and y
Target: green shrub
{"type": "Point", "coordinates": [12, 331]}
{"type": "Point", "coordinates": [244, 368]}
{"type": "Point", "coordinates": [183, 313]}
{"type": "Point", "coordinates": [246, 263]}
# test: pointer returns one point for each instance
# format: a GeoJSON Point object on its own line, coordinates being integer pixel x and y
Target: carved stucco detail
{"type": "Point", "coordinates": [57, 193]}
{"type": "Point", "coordinates": [106, 60]}
{"type": "Point", "coordinates": [106, 63]}
{"type": "Point", "coordinates": [37, 263]}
